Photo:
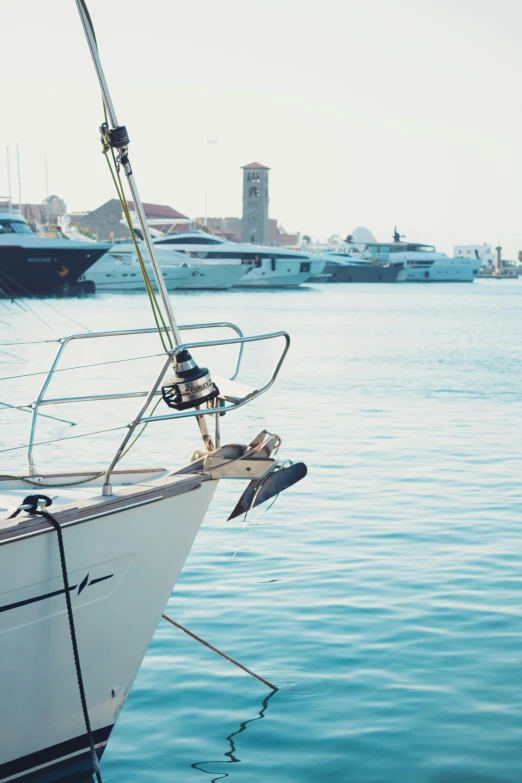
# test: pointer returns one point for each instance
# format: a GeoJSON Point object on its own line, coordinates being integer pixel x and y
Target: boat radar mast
{"type": "Point", "coordinates": [191, 385]}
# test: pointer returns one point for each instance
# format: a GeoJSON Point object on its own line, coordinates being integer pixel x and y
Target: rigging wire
{"type": "Point", "coordinates": [69, 437]}
{"type": "Point", "coordinates": [91, 478]}
{"type": "Point", "coordinates": [32, 342]}
{"type": "Point", "coordinates": [81, 367]}
{"type": "Point", "coordinates": [44, 302]}
{"type": "Point", "coordinates": [23, 290]}
{"type": "Point", "coordinates": [28, 409]}
{"type": "Point", "coordinates": [14, 356]}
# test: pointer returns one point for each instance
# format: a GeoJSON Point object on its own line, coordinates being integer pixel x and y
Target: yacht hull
{"type": "Point", "coordinates": [282, 273]}
{"type": "Point", "coordinates": [442, 273]}
{"type": "Point", "coordinates": [212, 277]}
{"type": "Point", "coordinates": [358, 273]}
{"type": "Point", "coordinates": [274, 281]}
{"type": "Point", "coordinates": [116, 275]}
{"type": "Point", "coordinates": [44, 271]}
{"type": "Point", "coordinates": [123, 557]}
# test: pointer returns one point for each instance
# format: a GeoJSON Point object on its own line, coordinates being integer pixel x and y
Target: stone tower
{"type": "Point", "coordinates": [254, 225]}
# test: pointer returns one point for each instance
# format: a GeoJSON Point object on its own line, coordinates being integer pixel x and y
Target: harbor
{"type": "Point", "coordinates": [72, 261]}
{"type": "Point", "coordinates": [259, 496]}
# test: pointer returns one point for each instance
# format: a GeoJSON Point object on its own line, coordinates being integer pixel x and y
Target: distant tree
{"type": "Point", "coordinates": [307, 239]}
{"type": "Point", "coordinates": [86, 231]}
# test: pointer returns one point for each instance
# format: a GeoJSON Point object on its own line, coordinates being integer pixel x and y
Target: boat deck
{"type": "Point", "coordinates": [74, 502]}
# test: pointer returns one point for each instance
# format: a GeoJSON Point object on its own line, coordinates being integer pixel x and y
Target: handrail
{"type": "Point", "coordinates": [141, 418]}
{"type": "Point", "coordinates": [64, 341]}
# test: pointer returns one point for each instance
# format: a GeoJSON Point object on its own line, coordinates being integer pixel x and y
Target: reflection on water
{"type": "Point", "coordinates": [232, 758]}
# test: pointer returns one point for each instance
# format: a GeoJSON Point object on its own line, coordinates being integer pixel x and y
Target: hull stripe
{"type": "Point", "coordinates": [55, 753]}
{"type": "Point", "coordinates": [16, 605]}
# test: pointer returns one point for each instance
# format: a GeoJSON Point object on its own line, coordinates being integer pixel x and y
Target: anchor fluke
{"type": "Point", "coordinates": [263, 489]}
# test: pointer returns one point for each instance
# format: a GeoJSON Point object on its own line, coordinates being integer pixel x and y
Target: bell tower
{"type": "Point", "coordinates": [254, 225]}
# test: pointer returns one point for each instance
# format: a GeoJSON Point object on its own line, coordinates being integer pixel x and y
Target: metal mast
{"type": "Point", "coordinates": [9, 179]}
{"type": "Point", "coordinates": [120, 140]}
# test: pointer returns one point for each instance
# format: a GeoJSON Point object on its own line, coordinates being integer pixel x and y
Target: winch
{"type": "Point", "coordinates": [190, 385]}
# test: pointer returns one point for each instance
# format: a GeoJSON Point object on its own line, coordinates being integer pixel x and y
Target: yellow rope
{"type": "Point", "coordinates": [116, 178]}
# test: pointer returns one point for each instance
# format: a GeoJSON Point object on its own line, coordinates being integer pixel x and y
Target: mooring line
{"type": "Point", "coordinates": [223, 655]}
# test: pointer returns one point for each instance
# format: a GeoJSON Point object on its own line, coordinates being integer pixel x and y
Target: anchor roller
{"type": "Point", "coordinates": [190, 385]}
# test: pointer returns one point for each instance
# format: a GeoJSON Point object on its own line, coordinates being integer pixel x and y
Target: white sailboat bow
{"type": "Point", "coordinates": [84, 579]}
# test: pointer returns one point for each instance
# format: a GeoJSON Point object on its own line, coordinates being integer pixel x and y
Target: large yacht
{"type": "Point", "coordinates": [35, 265]}
{"type": "Point", "coordinates": [350, 262]}
{"type": "Point", "coordinates": [119, 270]}
{"type": "Point", "coordinates": [423, 263]}
{"type": "Point", "coordinates": [215, 274]}
{"type": "Point", "coordinates": [263, 266]}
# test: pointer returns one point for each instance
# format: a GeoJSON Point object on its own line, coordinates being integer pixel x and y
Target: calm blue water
{"type": "Point", "coordinates": [383, 594]}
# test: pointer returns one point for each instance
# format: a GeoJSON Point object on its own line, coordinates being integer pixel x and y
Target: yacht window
{"type": "Point", "coordinates": [273, 264]}
{"type": "Point", "coordinates": [305, 266]}
{"type": "Point", "coordinates": [21, 228]}
{"type": "Point", "coordinates": [422, 248]}
{"type": "Point", "coordinates": [251, 260]}
{"type": "Point", "coordinates": [384, 249]}
{"type": "Point", "coordinates": [188, 241]}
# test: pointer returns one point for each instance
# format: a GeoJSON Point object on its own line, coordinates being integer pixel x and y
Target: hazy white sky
{"type": "Point", "coordinates": [369, 112]}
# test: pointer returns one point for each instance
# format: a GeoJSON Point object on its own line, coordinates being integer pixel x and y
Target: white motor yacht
{"type": "Point", "coordinates": [424, 263]}
{"type": "Point", "coordinates": [350, 262]}
{"type": "Point", "coordinates": [266, 267]}
{"type": "Point", "coordinates": [120, 270]}
{"type": "Point", "coordinates": [214, 274]}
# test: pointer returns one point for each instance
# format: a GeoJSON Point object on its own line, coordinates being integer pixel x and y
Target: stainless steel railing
{"type": "Point", "coordinates": [240, 341]}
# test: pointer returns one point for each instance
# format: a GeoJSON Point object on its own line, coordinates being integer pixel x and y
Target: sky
{"type": "Point", "coordinates": [368, 112]}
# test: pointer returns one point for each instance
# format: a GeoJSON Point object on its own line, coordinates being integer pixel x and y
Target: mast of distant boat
{"type": "Point", "coordinates": [9, 201]}
{"type": "Point", "coordinates": [19, 181]}
{"type": "Point", "coordinates": [46, 195]}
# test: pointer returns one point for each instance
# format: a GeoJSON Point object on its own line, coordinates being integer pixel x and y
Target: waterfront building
{"type": "Point", "coordinates": [105, 221]}
{"type": "Point", "coordinates": [483, 253]}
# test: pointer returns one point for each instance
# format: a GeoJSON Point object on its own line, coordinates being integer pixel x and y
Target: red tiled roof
{"type": "Point", "coordinates": [159, 211]}
{"type": "Point", "coordinates": [256, 166]}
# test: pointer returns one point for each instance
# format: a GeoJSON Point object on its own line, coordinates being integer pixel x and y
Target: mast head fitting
{"type": "Point", "coordinates": [190, 386]}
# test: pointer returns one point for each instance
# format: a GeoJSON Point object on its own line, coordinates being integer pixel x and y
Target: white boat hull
{"type": "Point", "coordinates": [114, 274]}
{"type": "Point", "coordinates": [212, 276]}
{"type": "Point", "coordinates": [287, 274]}
{"type": "Point", "coordinates": [447, 270]}
{"type": "Point", "coordinates": [122, 565]}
